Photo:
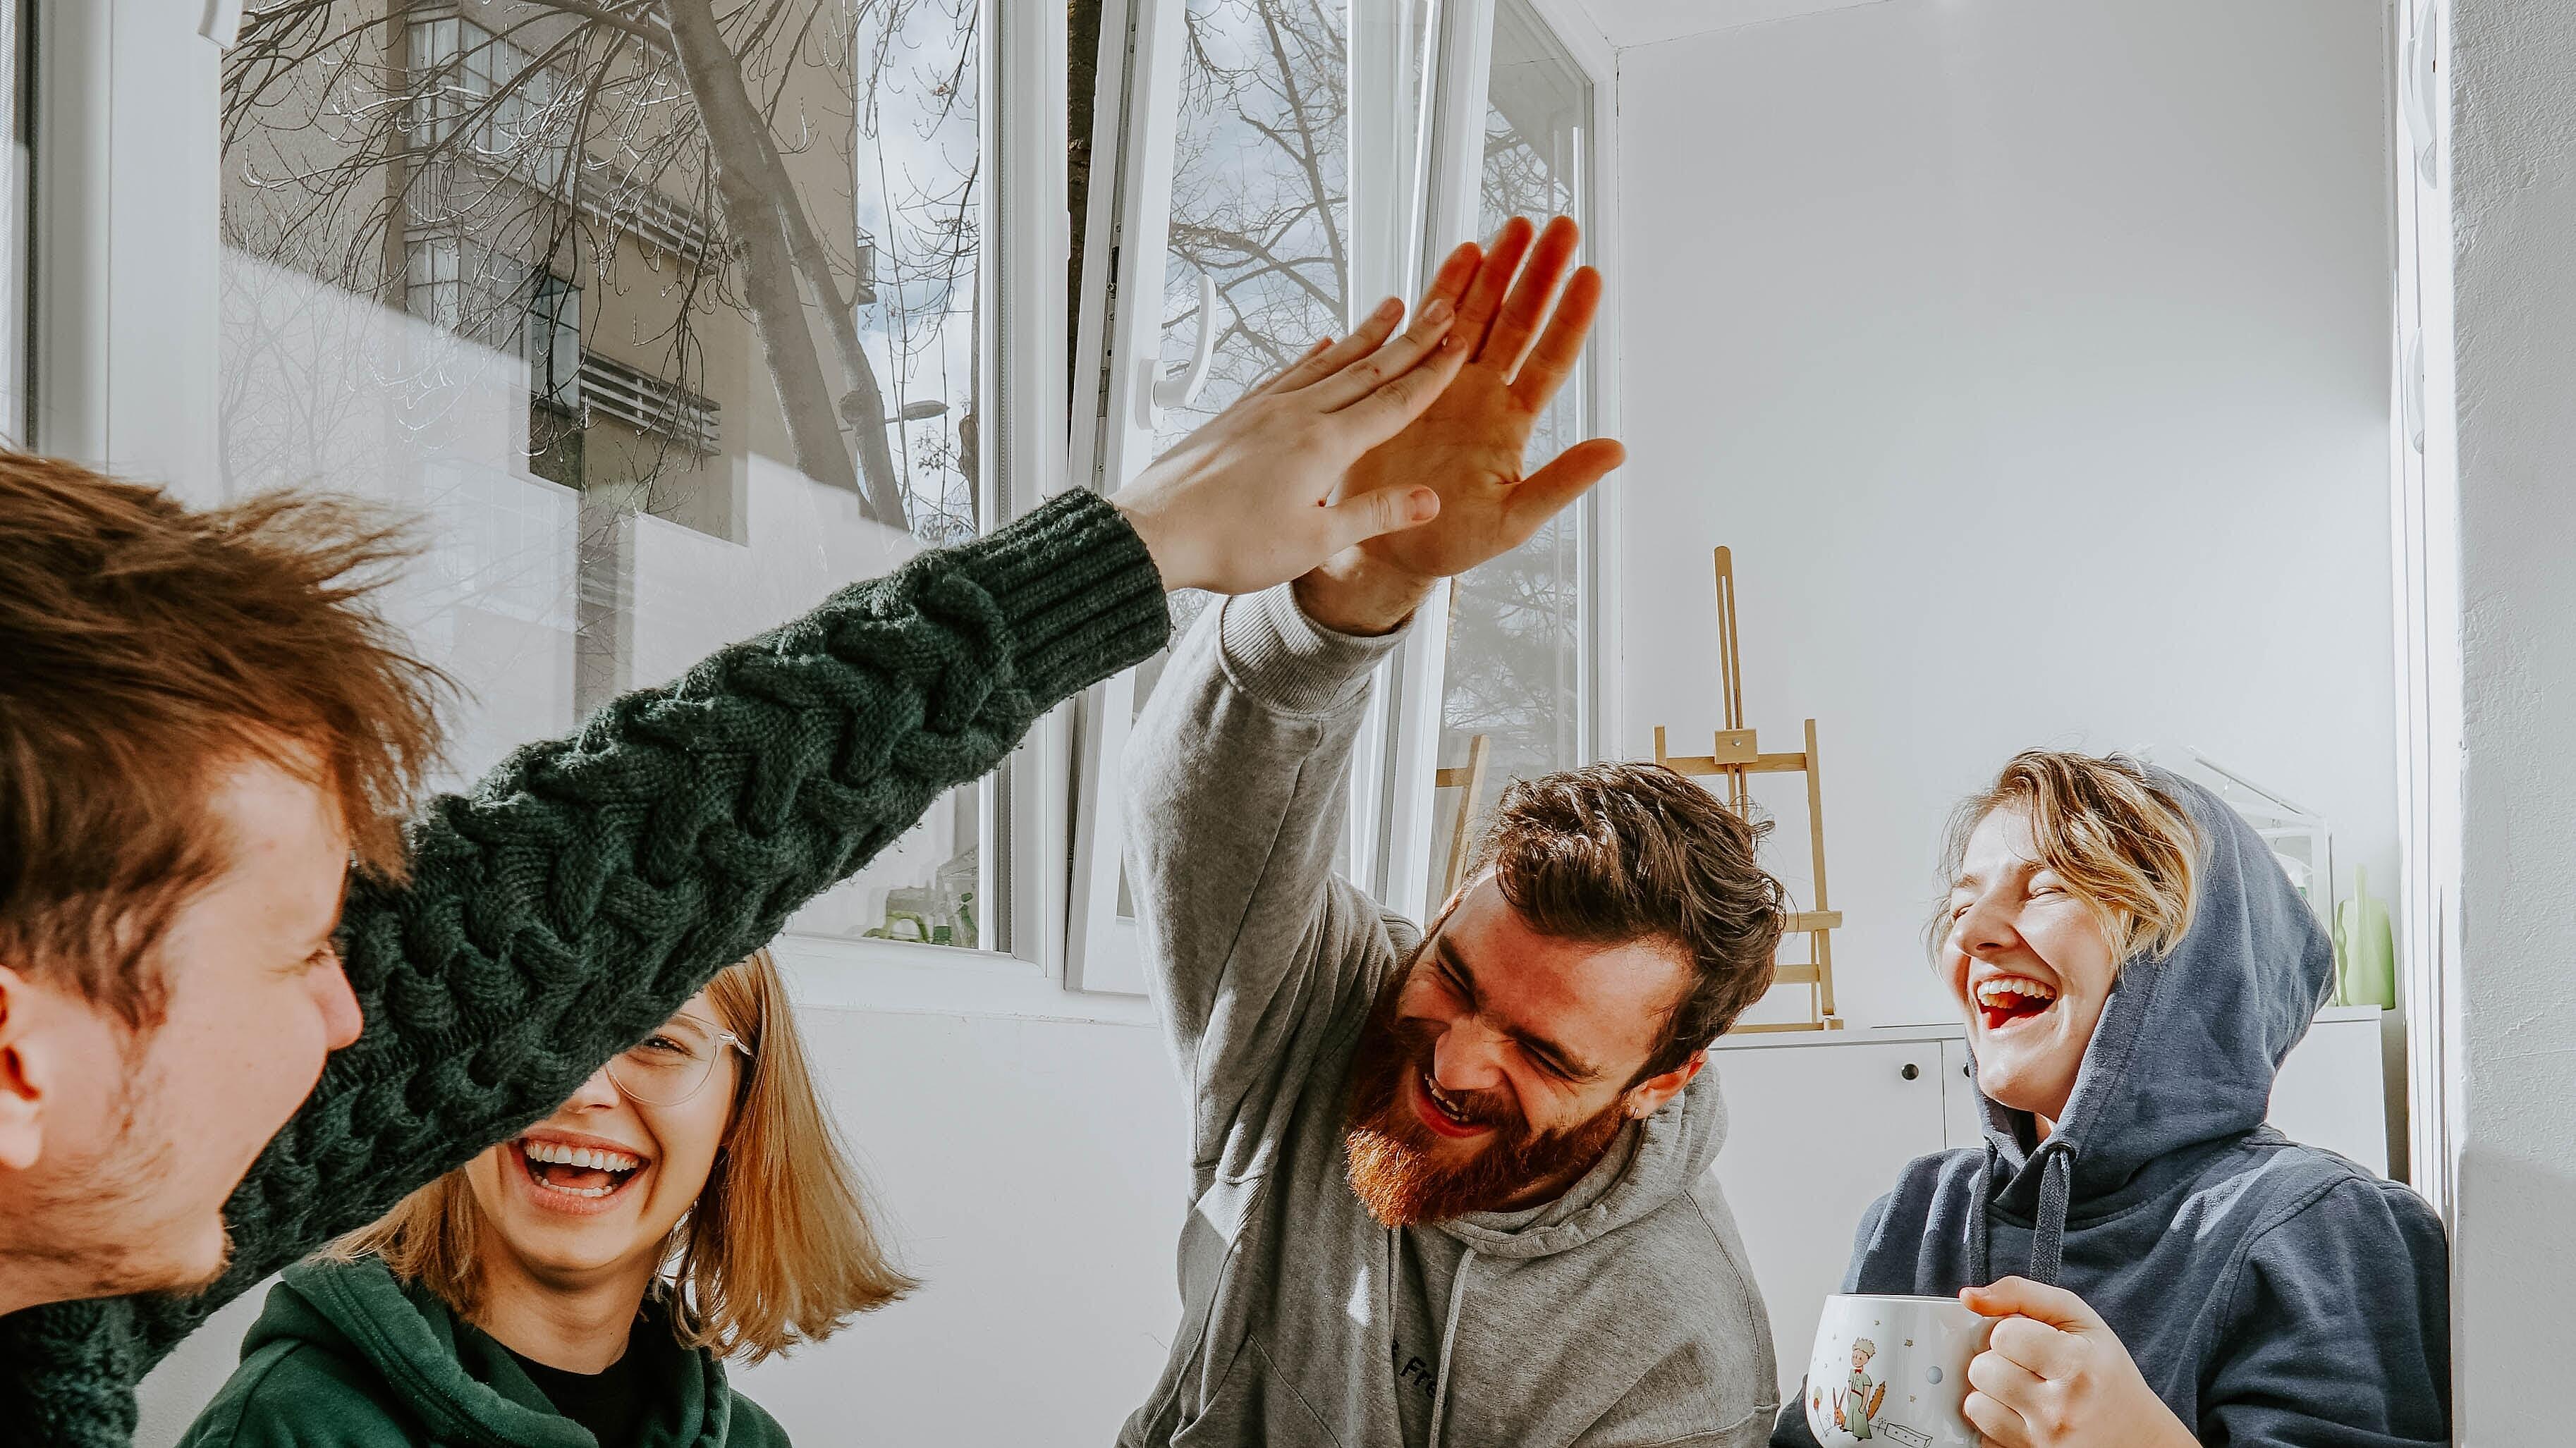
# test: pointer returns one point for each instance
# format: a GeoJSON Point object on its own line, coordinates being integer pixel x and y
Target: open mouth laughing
{"type": "Point", "coordinates": [579, 1176]}
{"type": "Point", "coordinates": [2006, 1001]}
{"type": "Point", "coordinates": [1445, 1114]}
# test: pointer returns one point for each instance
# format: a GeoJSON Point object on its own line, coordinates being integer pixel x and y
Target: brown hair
{"type": "Point", "coordinates": [151, 648]}
{"type": "Point", "coordinates": [2123, 843]}
{"type": "Point", "coordinates": [1621, 852]}
{"type": "Point", "coordinates": [776, 1251]}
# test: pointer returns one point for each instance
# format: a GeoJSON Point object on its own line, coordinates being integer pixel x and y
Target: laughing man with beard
{"type": "Point", "coordinates": [1448, 1188]}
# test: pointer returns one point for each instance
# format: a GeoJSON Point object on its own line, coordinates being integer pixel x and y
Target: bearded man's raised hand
{"type": "Point", "coordinates": [1520, 339]}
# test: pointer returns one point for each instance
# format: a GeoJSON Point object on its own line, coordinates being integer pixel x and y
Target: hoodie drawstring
{"type": "Point", "coordinates": [1448, 1340]}
{"type": "Point", "coordinates": [2056, 1164]}
{"type": "Point", "coordinates": [1980, 1253]}
{"type": "Point", "coordinates": [2048, 1231]}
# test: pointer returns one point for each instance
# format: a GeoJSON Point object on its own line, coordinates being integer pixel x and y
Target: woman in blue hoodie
{"type": "Point", "coordinates": [2133, 966]}
{"type": "Point", "coordinates": [580, 1285]}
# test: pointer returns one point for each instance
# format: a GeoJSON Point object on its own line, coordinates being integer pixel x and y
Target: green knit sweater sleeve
{"type": "Point", "coordinates": [589, 885]}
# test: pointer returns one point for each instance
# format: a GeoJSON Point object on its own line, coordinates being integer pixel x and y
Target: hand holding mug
{"type": "Point", "coordinates": [2054, 1374]}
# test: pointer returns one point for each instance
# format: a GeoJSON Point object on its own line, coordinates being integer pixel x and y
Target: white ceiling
{"type": "Point", "coordinates": [1643, 22]}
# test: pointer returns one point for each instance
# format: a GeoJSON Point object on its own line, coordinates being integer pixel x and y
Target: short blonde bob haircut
{"type": "Point", "coordinates": [2123, 843]}
{"type": "Point", "coordinates": [777, 1250]}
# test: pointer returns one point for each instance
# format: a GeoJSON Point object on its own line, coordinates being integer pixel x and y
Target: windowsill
{"type": "Point", "coordinates": [883, 975]}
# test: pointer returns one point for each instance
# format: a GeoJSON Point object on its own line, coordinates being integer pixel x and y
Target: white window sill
{"type": "Point", "coordinates": [882, 975]}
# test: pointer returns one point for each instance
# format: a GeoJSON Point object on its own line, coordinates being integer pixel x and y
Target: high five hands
{"type": "Point", "coordinates": [1399, 461]}
{"type": "Point", "coordinates": [1255, 496]}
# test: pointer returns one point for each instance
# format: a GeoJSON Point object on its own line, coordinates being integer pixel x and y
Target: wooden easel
{"type": "Point", "coordinates": [1471, 776]}
{"type": "Point", "coordinates": [1735, 755]}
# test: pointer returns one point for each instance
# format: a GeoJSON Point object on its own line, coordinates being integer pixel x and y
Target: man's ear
{"type": "Point", "coordinates": [1648, 1096]}
{"type": "Point", "coordinates": [22, 1083]}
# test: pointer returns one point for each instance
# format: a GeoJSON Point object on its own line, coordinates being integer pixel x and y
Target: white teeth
{"type": "Point", "coordinates": [1990, 992]}
{"type": "Point", "coordinates": [1449, 1108]}
{"type": "Point", "coordinates": [557, 1154]}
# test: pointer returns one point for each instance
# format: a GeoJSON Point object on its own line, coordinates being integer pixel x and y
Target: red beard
{"type": "Point", "coordinates": [1394, 1166]}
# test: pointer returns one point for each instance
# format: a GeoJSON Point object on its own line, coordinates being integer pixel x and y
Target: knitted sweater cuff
{"type": "Point", "coordinates": [1081, 594]}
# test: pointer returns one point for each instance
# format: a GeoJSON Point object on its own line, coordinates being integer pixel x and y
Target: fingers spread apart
{"type": "Point", "coordinates": [1518, 321]}
{"type": "Point", "coordinates": [1493, 277]}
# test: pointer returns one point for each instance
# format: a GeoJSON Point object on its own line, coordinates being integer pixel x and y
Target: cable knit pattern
{"type": "Point", "coordinates": [590, 885]}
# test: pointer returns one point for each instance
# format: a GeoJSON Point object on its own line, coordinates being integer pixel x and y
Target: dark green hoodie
{"type": "Point", "coordinates": [344, 1356]}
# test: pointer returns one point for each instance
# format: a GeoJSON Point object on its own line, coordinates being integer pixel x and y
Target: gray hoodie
{"type": "Point", "coordinates": [1621, 1315]}
{"type": "Point", "coordinates": [2269, 1292]}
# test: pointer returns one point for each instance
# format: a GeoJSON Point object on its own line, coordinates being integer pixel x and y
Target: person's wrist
{"type": "Point", "coordinates": [2173, 1432]}
{"type": "Point", "coordinates": [1355, 595]}
{"type": "Point", "coordinates": [1150, 530]}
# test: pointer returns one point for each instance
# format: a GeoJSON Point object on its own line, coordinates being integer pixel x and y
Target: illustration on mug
{"type": "Point", "coordinates": [1859, 1400]}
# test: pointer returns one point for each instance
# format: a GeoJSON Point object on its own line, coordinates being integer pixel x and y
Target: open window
{"type": "Point", "coordinates": [1257, 180]}
{"type": "Point", "coordinates": [473, 259]}
{"type": "Point", "coordinates": [1519, 661]}
{"type": "Point", "coordinates": [1270, 166]}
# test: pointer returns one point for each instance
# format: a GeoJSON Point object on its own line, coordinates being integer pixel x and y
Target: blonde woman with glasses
{"type": "Point", "coordinates": [583, 1282]}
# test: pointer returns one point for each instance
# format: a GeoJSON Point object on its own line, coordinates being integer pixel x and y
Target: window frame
{"type": "Point", "coordinates": [17, 221]}
{"type": "Point", "coordinates": [1120, 351]}
{"type": "Point", "coordinates": [127, 336]}
{"type": "Point", "coordinates": [1397, 863]}
{"type": "Point", "coordinates": [127, 339]}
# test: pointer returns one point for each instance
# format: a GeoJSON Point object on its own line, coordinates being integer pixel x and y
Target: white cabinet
{"type": "Point", "coordinates": [2330, 1092]}
{"type": "Point", "coordinates": [1816, 1130]}
{"type": "Point", "coordinates": [1963, 1121]}
{"type": "Point", "coordinates": [1814, 1134]}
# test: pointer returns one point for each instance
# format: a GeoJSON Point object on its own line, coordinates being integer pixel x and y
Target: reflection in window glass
{"type": "Point", "coordinates": [1260, 191]}
{"type": "Point", "coordinates": [1260, 205]}
{"type": "Point", "coordinates": [482, 263]}
{"type": "Point", "coordinates": [1517, 665]}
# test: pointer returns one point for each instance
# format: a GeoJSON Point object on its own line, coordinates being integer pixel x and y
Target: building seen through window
{"type": "Point", "coordinates": [663, 330]}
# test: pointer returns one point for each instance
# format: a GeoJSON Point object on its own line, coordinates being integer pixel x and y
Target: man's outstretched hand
{"type": "Point", "coordinates": [1262, 491]}
{"type": "Point", "coordinates": [1520, 340]}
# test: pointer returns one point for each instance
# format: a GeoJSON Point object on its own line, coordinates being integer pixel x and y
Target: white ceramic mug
{"type": "Point", "coordinates": [1893, 1371]}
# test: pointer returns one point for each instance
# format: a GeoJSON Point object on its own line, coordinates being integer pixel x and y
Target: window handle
{"type": "Point", "coordinates": [1181, 387]}
{"type": "Point", "coordinates": [222, 23]}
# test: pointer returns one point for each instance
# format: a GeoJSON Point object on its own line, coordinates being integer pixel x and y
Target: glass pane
{"type": "Point", "coordinates": [482, 264]}
{"type": "Point", "coordinates": [1260, 191]}
{"type": "Point", "coordinates": [1518, 672]}
{"type": "Point", "coordinates": [1261, 205]}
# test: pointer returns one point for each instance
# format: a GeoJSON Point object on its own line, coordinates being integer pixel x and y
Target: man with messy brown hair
{"type": "Point", "coordinates": [209, 747]}
{"type": "Point", "coordinates": [1449, 1184]}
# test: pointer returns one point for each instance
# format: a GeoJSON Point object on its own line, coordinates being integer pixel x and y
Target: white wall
{"type": "Point", "coordinates": [2513, 192]}
{"type": "Point", "coordinates": [2031, 358]}
{"type": "Point", "coordinates": [1033, 1173]}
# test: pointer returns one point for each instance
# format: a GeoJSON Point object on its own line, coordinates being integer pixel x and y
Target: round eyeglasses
{"type": "Point", "coordinates": [672, 1064]}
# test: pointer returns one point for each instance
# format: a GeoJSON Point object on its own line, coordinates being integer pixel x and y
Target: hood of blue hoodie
{"type": "Point", "coordinates": [2187, 1046]}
